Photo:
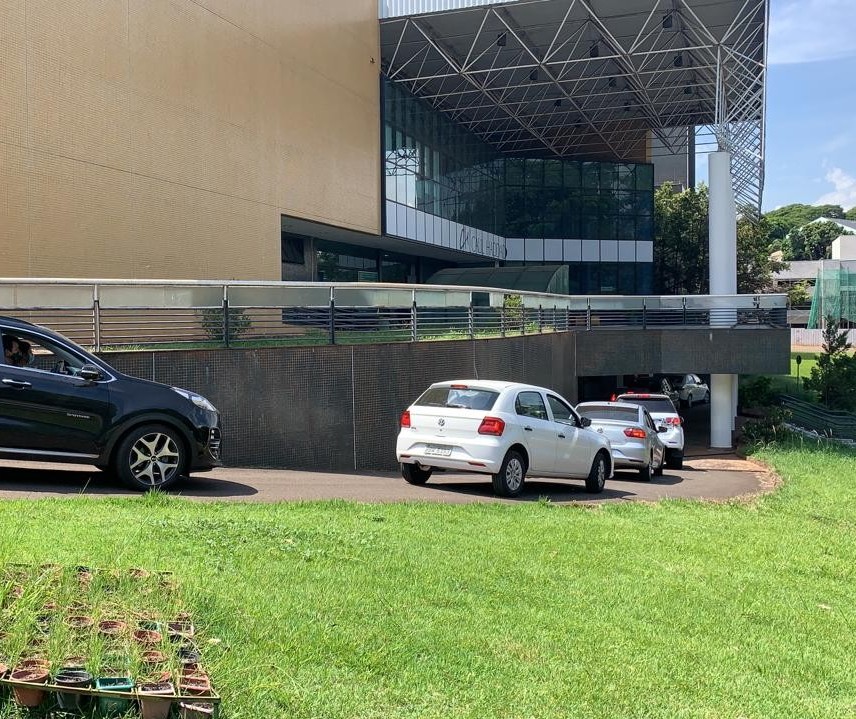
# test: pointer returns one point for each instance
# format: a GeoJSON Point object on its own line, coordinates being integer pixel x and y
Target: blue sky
{"type": "Point", "coordinates": [811, 104]}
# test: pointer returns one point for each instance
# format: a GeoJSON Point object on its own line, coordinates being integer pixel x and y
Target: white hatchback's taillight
{"type": "Point", "coordinates": [675, 421]}
{"type": "Point", "coordinates": [405, 418]}
{"type": "Point", "coordinates": [493, 426]}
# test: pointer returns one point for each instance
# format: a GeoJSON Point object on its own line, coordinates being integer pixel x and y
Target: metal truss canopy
{"type": "Point", "coordinates": [593, 78]}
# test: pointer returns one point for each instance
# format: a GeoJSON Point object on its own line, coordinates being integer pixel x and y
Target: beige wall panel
{"type": "Point", "coordinates": [13, 72]}
{"type": "Point", "coordinates": [189, 57]}
{"type": "Point", "coordinates": [91, 35]}
{"type": "Point", "coordinates": [182, 232]}
{"type": "Point", "coordinates": [14, 215]}
{"type": "Point", "coordinates": [166, 58]}
{"type": "Point", "coordinates": [79, 115]}
{"type": "Point", "coordinates": [337, 39]}
{"type": "Point", "coordinates": [333, 147]}
{"type": "Point", "coordinates": [167, 136]}
{"type": "Point", "coordinates": [79, 216]}
{"type": "Point", "coordinates": [199, 150]}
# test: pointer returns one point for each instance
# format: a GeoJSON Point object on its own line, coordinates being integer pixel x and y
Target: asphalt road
{"type": "Point", "coordinates": [714, 477]}
{"type": "Point", "coordinates": [706, 475]}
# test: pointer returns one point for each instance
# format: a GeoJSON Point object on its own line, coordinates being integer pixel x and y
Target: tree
{"type": "Point", "coordinates": [800, 294]}
{"type": "Point", "coordinates": [834, 375]}
{"type": "Point", "coordinates": [812, 241]}
{"type": "Point", "coordinates": [850, 214]}
{"type": "Point", "coordinates": [784, 219]}
{"type": "Point", "coordinates": [681, 244]}
{"type": "Point", "coordinates": [681, 240]}
{"type": "Point", "coordinates": [754, 267]}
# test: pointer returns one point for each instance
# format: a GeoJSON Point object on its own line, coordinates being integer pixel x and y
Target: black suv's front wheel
{"type": "Point", "coordinates": [150, 457]}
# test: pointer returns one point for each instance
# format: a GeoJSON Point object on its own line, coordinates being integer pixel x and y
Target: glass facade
{"type": "Point", "coordinates": [436, 167]}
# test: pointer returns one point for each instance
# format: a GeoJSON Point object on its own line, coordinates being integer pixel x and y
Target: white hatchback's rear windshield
{"type": "Point", "coordinates": [622, 414]}
{"type": "Point", "coordinates": [460, 398]}
{"type": "Point", "coordinates": [652, 404]}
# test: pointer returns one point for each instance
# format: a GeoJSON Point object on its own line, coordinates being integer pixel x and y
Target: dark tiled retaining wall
{"type": "Point", "coordinates": [336, 408]}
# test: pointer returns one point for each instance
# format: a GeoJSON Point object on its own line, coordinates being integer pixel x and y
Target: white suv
{"type": "Point", "coordinates": [663, 411]}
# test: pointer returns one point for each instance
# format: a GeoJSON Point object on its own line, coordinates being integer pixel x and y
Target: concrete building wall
{"type": "Point", "coordinates": [844, 248]}
{"type": "Point", "coordinates": [165, 138]}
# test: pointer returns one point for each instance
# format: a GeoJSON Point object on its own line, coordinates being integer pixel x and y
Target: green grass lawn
{"type": "Point", "coordinates": [334, 609]}
{"type": "Point", "coordinates": [809, 360]}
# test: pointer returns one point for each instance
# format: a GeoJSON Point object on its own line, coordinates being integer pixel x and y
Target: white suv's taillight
{"type": "Point", "coordinates": [405, 418]}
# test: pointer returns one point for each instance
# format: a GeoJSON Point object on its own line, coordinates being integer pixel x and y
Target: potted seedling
{"type": "Point", "coordinates": [109, 706]}
{"type": "Point", "coordinates": [26, 693]}
{"type": "Point", "coordinates": [147, 637]}
{"type": "Point", "coordinates": [73, 701]}
{"type": "Point", "coordinates": [195, 710]}
{"type": "Point", "coordinates": [155, 697]}
{"type": "Point", "coordinates": [153, 657]}
{"type": "Point", "coordinates": [80, 622]}
{"type": "Point", "coordinates": [112, 627]}
{"type": "Point", "coordinates": [180, 630]}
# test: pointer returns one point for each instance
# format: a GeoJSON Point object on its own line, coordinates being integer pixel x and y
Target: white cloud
{"type": "Point", "coordinates": [810, 31]}
{"type": "Point", "coordinates": [844, 193]}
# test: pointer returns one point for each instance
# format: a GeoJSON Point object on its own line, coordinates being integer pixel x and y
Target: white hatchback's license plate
{"type": "Point", "coordinates": [438, 450]}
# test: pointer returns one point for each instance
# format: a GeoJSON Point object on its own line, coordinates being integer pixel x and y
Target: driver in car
{"type": "Point", "coordinates": [17, 352]}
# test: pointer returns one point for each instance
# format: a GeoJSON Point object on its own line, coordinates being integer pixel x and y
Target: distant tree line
{"type": "Point", "coordinates": [765, 242]}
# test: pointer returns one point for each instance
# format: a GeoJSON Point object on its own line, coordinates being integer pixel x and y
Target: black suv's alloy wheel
{"type": "Point", "coordinates": [151, 457]}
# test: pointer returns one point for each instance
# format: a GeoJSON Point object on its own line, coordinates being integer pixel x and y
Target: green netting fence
{"type": "Point", "coordinates": [834, 296]}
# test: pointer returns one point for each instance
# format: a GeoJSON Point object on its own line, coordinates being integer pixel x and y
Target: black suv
{"type": "Point", "coordinates": [59, 403]}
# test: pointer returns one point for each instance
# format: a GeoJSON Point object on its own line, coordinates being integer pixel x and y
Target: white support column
{"type": "Point", "coordinates": [721, 412]}
{"type": "Point", "coordinates": [723, 281]}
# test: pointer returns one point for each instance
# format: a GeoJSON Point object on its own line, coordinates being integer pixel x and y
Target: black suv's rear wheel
{"type": "Point", "coordinates": [150, 457]}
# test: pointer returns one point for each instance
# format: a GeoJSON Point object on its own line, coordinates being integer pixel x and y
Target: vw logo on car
{"type": "Point", "coordinates": [441, 422]}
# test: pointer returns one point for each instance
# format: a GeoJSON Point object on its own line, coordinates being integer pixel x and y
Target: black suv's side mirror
{"type": "Point", "coordinates": [585, 421]}
{"type": "Point", "coordinates": [89, 372]}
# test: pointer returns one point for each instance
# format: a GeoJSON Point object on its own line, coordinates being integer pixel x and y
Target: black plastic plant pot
{"type": "Point", "coordinates": [188, 655]}
{"type": "Point", "coordinates": [73, 679]}
{"type": "Point", "coordinates": [179, 631]}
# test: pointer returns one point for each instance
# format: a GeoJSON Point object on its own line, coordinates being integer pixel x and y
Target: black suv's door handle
{"type": "Point", "coordinates": [528, 429]}
{"type": "Point", "coordinates": [16, 383]}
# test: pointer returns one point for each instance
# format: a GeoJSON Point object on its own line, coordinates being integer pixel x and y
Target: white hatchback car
{"type": "Point", "coordinates": [504, 429]}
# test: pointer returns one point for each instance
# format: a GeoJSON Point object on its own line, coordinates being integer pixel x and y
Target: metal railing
{"type": "Point", "coordinates": [106, 314]}
{"type": "Point", "coordinates": [840, 425]}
